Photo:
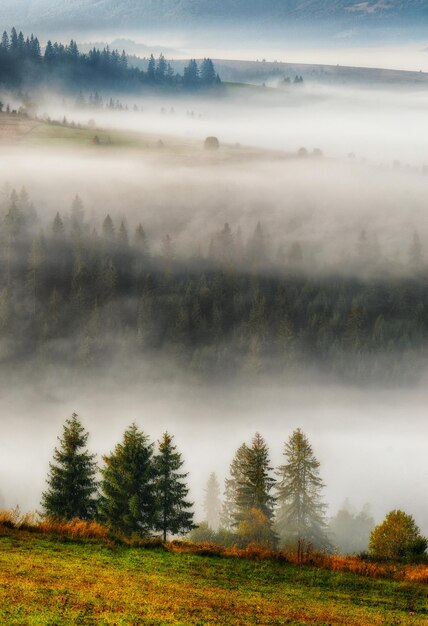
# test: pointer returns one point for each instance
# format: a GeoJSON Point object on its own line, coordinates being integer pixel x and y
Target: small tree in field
{"type": "Point", "coordinates": [173, 510]}
{"type": "Point", "coordinates": [72, 485]}
{"type": "Point", "coordinates": [128, 499]}
{"type": "Point", "coordinates": [397, 537]}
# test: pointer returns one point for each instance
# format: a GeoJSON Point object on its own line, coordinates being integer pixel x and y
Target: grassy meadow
{"type": "Point", "coordinates": [56, 580]}
{"type": "Point", "coordinates": [20, 131]}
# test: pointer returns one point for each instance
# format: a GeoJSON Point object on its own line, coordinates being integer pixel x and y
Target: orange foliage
{"type": "Point", "coordinates": [76, 528]}
{"type": "Point", "coordinates": [80, 529]}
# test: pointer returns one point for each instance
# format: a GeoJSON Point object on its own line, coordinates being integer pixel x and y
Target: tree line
{"type": "Point", "coordinates": [77, 294]}
{"type": "Point", "coordinates": [23, 63]}
{"type": "Point", "coordinates": [140, 490]}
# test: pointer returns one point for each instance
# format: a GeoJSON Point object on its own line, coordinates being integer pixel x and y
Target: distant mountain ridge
{"type": "Point", "coordinates": [168, 13]}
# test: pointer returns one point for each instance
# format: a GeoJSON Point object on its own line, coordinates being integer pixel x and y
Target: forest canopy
{"type": "Point", "coordinates": [24, 64]}
{"type": "Point", "coordinates": [81, 293]}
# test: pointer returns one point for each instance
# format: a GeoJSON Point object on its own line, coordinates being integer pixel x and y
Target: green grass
{"type": "Point", "coordinates": [50, 581]}
{"type": "Point", "coordinates": [49, 134]}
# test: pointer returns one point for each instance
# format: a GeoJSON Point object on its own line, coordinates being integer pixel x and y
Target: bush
{"type": "Point", "coordinates": [397, 538]}
{"type": "Point", "coordinates": [211, 143]}
{"type": "Point", "coordinates": [203, 533]}
{"type": "Point", "coordinates": [255, 529]}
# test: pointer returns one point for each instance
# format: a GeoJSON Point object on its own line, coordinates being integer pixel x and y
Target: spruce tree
{"type": "Point", "coordinates": [212, 502]}
{"type": "Point", "coordinates": [256, 483]}
{"type": "Point", "coordinates": [229, 509]}
{"type": "Point", "coordinates": [173, 509]}
{"type": "Point", "coordinates": [151, 69]}
{"type": "Point", "coordinates": [208, 75]}
{"type": "Point", "coordinates": [301, 514]}
{"type": "Point", "coordinates": [72, 486]}
{"type": "Point", "coordinates": [128, 499]}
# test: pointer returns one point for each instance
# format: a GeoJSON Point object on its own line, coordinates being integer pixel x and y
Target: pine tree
{"type": "Point", "coordinates": [212, 502]}
{"type": "Point", "coordinates": [191, 75]}
{"type": "Point", "coordinates": [151, 68]}
{"type": "Point", "coordinates": [301, 515]}
{"type": "Point", "coordinates": [5, 41]}
{"type": "Point", "coordinates": [230, 509]}
{"type": "Point", "coordinates": [128, 502]}
{"type": "Point", "coordinates": [72, 485]}
{"type": "Point", "coordinates": [123, 235]}
{"type": "Point", "coordinates": [140, 241]}
{"type": "Point", "coordinates": [161, 69]}
{"type": "Point", "coordinates": [58, 226]}
{"type": "Point", "coordinates": [350, 530]}
{"type": "Point", "coordinates": [256, 483]}
{"type": "Point", "coordinates": [173, 510]}
{"type": "Point", "coordinates": [257, 247]}
{"type": "Point", "coordinates": [208, 75]}
{"type": "Point", "coordinates": [108, 229]}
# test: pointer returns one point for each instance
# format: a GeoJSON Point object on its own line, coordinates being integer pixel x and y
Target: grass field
{"type": "Point", "coordinates": [19, 131]}
{"type": "Point", "coordinates": [47, 580]}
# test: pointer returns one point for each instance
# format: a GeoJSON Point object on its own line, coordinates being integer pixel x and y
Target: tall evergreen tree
{"type": "Point", "coordinates": [151, 68]}
{"type": "Point", "coordinates": [212, 502]}
{"type": "Point", "coordinates": [255, 484]}
{"type": "Point", "coordinates": [161, 69]}
{"type": "Point", "coordinates": [350, 530]}
{"type": "Point", "coordinates": [72, 485]}
{"type": "Point", "coordinates": [173, 509]}
{"type": "Point", "coordinates": [191, 75]}
{"type": "Point", "coordinates": [229, 509]}
{"type": "Point", "coordinates": [208, 75]}
{"type": "Point", "coordinates": [128, 501]}
{"type": "Point", "coordinates": [301, 514]}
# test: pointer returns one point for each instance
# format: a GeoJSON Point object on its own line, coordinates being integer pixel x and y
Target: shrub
{"type": "Point", "coordinates": [397, 538]}
{"type": "Point", "coordinates": [211, 143]}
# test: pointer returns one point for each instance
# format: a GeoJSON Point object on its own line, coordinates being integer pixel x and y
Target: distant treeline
{"type": "Point", "coordinates": [22, 64]}
{"type": "Point", "coordinates": [82, 293]}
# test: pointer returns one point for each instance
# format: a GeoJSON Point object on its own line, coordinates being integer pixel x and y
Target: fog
{"type": "Point", "coordinates": [379, 124]}
{"type": "Point", "coordinates": [371, 443]}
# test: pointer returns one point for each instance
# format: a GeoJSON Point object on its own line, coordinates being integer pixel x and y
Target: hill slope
{"type": "Point", "coordinates": [140, 13]}
{"type": "Point", "coordinates": [48, 581]}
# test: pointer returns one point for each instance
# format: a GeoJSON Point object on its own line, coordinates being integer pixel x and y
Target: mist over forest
{"type": "Point", "coordinates": [213, 260]}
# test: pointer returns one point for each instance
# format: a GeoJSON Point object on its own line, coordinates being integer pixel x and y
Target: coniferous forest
{"type": "Point", "coordinates": [141, 490]}
{"type": "Point", "coordinates": [213, 248]}
{"type": "Point", "coordinates": [82, 293]}
{"type": "Point", "coordinates": [24, 65]}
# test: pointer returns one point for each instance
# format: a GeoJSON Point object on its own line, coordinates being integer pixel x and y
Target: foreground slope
{"type": "Point", "coordinates": [49, 581]}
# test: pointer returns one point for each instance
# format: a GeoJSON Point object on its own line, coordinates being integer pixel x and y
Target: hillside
{"type": "Point", "coordinates": [132, 13]}
{"type": "Point", "coordinates": [44, 580]}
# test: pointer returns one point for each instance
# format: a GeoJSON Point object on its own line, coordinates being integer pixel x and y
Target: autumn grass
{"type": "Point", "coordinates": [78, 529]}
{"type": "Point", "coordinates": [58, 579]}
